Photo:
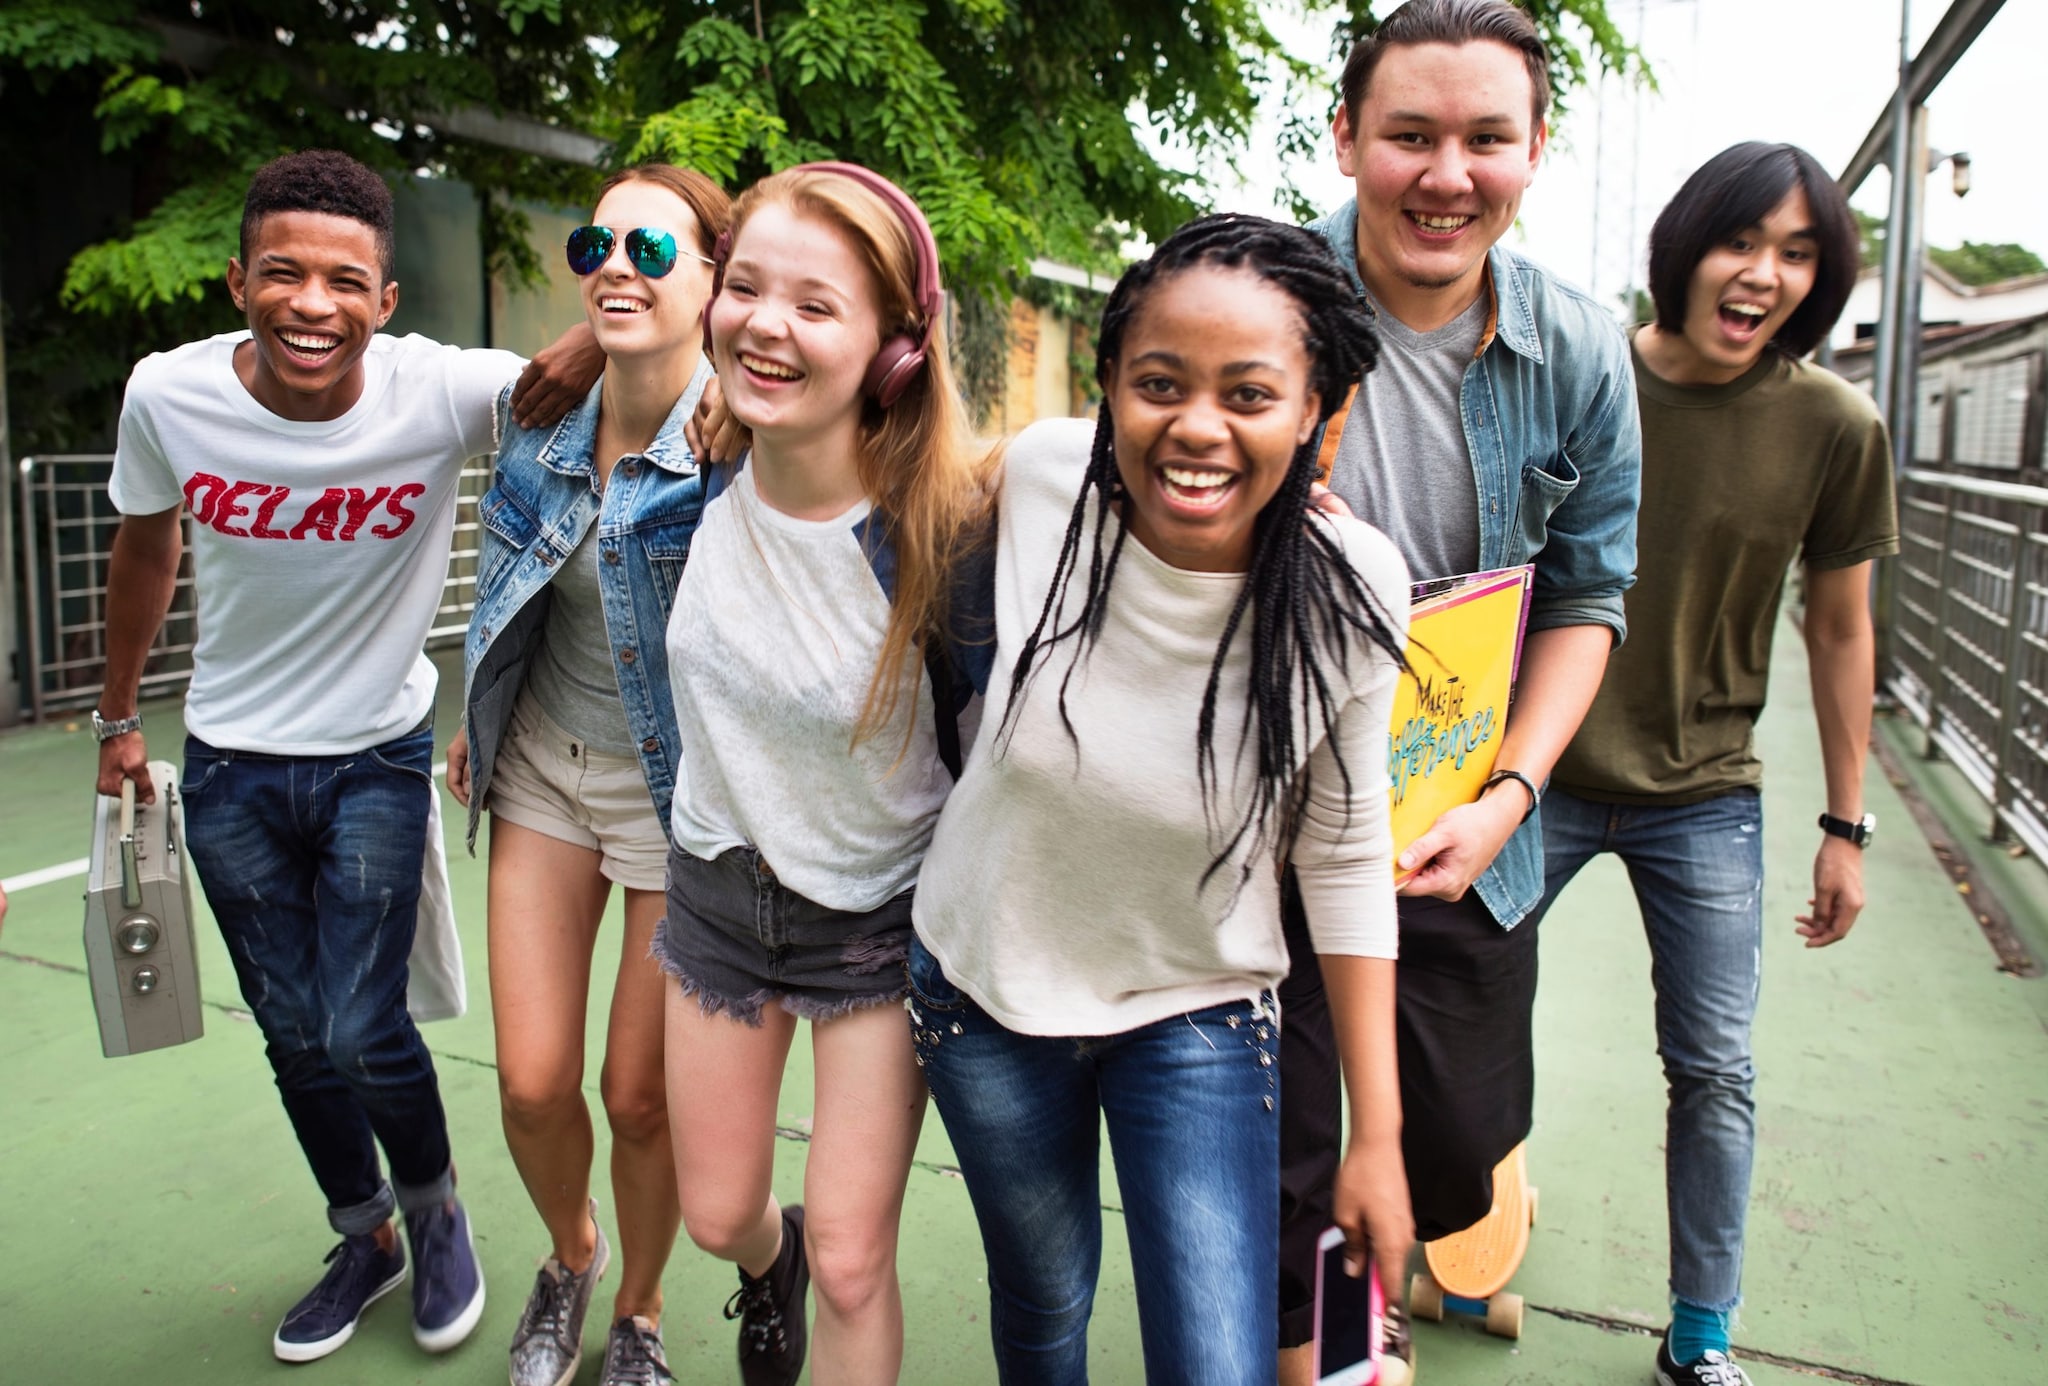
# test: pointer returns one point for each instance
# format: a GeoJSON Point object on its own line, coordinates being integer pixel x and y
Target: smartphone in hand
{"type": "Point", "coordinates": [1350, 1317]}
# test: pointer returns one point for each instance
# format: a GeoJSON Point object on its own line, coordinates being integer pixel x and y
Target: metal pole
{"type": "Point", "coordinates": [12, 661]}
{"type": "Point", "coordinates": [32, 568]}
{"type": "Point", "coordinates": [1938, 660]}
{"type": "Point", "coordinates": [2009, 680]}
{"type": "Point", "coordinates": [1599, 168]}
{"type": "Point", "coordinates": [1635, 169]}
{"type": "Point", "coordinates": [1903, 177]}
{"type": "Point", "coordinates": [1912, 238]}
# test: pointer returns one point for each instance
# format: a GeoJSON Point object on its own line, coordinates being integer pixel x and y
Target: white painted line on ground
{"type": "Point", "coordinates": [65, 870]}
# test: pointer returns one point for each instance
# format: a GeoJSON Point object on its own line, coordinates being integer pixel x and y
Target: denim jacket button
{"type": "Point", "coordinates": [547, 560]}
{"type": "Point", "coordinates": [628, 655]}
{"type": "Point", "coordinates": [632, 469]}
{"type": "Point", "coordinates": [611, 556]}
{"type": "Point", "coordinates": [651, 745]}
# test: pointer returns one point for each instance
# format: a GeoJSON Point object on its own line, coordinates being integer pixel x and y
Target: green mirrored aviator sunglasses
{"type": "Point", "coordinates": [652, 250]}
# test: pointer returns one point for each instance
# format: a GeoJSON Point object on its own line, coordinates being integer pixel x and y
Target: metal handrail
{"type": "Point", "coordinates": [1967, 638]}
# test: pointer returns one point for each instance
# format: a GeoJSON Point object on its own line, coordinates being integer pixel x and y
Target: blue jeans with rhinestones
{"type": "Point", "coordinates": [1698, 873]}
{"type": "Point", "coordinates": [1191, 1104]}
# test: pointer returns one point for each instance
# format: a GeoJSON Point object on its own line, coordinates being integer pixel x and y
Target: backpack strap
{"type": "Point", "coordinates": [938, 666]}
{"type": "Point", "coordinates": [1333, 431]}
{"type": "Point", "coordinates": [957, 661]}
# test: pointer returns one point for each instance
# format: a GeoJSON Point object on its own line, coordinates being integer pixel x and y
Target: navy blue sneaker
{"type": "Point", "coordinates": [359, 1273]}
{"type": "Point", "coordinates": [447, 1282]}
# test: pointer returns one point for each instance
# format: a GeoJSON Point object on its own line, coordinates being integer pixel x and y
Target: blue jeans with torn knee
{"type": "Point", "coordinates": [1698, 874]}
{"type": "Point", "coordinates": [311, 865]}
{"type": "Point", "coordinates": [1191, 1104]}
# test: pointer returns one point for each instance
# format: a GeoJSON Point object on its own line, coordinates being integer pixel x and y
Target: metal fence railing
{"type": "Point", "coordinates": [67, 532]}
{"type": "Point", "coordinates": [1968, 638]}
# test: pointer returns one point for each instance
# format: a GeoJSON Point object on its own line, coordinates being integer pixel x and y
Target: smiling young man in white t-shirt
{"type": "Point", "coordinates": [320, 462]}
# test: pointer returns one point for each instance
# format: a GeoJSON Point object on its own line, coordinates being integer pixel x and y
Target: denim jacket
{"type": "Point", "coordinates": [538, 509]}
{"type": "Point", "coordinates": [1549, 408]}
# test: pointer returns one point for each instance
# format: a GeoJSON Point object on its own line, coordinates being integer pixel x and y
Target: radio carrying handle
{"type": "Point", "coordinates": [131, 878]}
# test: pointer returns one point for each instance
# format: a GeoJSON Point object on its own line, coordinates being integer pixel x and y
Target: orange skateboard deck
{"type": "Point", "coordinates": [1469, 1270]}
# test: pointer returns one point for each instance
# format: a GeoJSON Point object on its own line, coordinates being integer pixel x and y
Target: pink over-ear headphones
{"type": "Point", "coordinates": [903, 355]}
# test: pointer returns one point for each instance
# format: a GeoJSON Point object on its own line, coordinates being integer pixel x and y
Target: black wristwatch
{"type": "Point", "coordinates": [1857, 830]}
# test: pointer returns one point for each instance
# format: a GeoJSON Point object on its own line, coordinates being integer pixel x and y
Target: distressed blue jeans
{"type": "Point", "coordinates": [311, 865]}
{"type": "Point", "coordinates": [1698, 873]}
{"type": "Point", "coordinates": [1191, 1104]}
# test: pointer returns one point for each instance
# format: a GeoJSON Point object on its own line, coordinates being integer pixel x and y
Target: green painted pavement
{"type": "Point", "coordinates": [159, 1218]}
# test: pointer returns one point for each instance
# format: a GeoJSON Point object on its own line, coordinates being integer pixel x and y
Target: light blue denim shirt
{"type": "Point", "coordinates": [1549, 409]}
{"type": "Point", "coordinates": [538, 509]}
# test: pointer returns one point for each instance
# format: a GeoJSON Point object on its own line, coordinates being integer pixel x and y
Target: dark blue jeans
{"type": "Point", "coordinates": [1191, 1103]}
{"type": "Point", "coordinates": [312, 867]}
{"type": "Point", "coordinates": [1698, 873]}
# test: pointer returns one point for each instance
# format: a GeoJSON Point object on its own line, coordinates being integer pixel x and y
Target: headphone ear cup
{"type": "Point", "coordinates": [892, 370]}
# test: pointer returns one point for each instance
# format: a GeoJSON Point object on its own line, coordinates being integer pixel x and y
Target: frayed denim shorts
{"type": "Point", "coordinates": [737, 939]}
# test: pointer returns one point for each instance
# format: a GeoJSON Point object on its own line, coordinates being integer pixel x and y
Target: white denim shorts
{"type": "Point", "coordinates": [547, 780]}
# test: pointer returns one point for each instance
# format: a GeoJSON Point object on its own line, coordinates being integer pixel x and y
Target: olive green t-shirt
{"type": "Point", "coordinates": [1739, 480]}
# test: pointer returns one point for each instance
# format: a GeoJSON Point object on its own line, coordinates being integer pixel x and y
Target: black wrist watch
{"type": "Point", "coordinates": [1856, 830]}
{"type": "Point", "coordinates": [103, 730]}
{"type": "Point", "coordinates": [1503, 776]}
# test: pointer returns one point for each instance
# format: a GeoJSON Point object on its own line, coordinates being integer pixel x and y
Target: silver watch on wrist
{"type": "Point", "coordinates": [103, 730]}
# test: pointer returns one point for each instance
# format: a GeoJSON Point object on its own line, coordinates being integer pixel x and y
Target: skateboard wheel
{"type": "Point", "coordinates": [1504, 1315]}
{"type": "Point", "coordinates": [1532, 1205]}
{"type": "Point", "coordinates": [1426, 1297]}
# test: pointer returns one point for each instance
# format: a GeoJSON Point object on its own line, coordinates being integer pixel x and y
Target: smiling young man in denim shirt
{"type": "Point", "coordinates": [1498, 428]}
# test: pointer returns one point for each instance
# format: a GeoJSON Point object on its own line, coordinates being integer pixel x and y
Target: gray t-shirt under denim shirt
{"type": "Point", "coordinates": [572, 677]}
{"type": "Point", "coordinates": [1402, 463]}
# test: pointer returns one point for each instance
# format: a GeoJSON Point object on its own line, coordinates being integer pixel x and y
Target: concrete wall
{"type": "Point", "coordinates": [1039, 380]}
{"type": "Point", "coordinates": [439, 228]}
{"type": "Point", "coordinates": [525, 319]}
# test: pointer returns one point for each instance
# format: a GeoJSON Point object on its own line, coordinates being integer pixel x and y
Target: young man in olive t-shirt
{"type": "Point", "coordinates": [1751, 460]}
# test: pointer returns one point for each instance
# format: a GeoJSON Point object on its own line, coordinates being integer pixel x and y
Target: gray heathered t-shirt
{"type": "Point", "coordinates": [572, 677]}
{"type": "Point", "coordinates": [1401, 462]}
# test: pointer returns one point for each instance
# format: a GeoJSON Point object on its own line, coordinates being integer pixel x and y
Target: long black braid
{"type": "Point", "coordinates": [1305, 600]}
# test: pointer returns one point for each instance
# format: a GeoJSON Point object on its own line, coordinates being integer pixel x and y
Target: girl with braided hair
{"type": "Point", "coordinates": [1198, 676]}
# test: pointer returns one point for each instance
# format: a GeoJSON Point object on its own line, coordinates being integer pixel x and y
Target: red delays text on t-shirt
{"type": "Point", "coordinates": [253, 510]}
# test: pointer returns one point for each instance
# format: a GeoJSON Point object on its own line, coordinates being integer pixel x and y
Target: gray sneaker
{"type": "Point", "coordinates": [548, 1344]}
{"type": "Point", "coordinates": [633, 1355]}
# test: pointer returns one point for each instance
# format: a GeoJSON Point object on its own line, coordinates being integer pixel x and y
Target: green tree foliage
{"type": "Point", "coordinates": [134, 125]}
{"type": "Point", "coordinates": [1025, 127]}
{"type": "Point", "coordinates": [1872, 233]}
{"type": "Point", "coordinates": [1020, 125]}
{"type": "Point", "coordinates": [1975, 262]}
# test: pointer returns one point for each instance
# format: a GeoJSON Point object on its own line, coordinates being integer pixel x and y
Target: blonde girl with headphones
{"type": "Point", "coordinates": [812, 769]}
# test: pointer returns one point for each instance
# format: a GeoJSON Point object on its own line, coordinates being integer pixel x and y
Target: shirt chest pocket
{"type": "Point", "coordinates": [666, 545]}
{"type": "Point", "coordinates": [509, 528]}
{"type": "Point", "coordinates": [1545, 486]}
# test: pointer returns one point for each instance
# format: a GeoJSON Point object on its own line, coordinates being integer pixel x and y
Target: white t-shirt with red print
{"type": "Point", "coordinates": [320, 549]}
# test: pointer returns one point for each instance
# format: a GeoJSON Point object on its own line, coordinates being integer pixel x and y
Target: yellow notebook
{"type": "Point", "coordinates": [1464, 650]}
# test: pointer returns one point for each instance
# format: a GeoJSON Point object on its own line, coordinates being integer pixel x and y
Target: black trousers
{"type": "Point", "coordinates": [1465, 999]}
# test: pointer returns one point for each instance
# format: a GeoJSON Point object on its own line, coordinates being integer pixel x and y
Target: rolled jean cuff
{"type": "Point", "coordinates": [1726, 1306]}
{"type": "Point", "coordinates": [417, 1198]}
{"type": "Point", "coordinates": [361, 1219]}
